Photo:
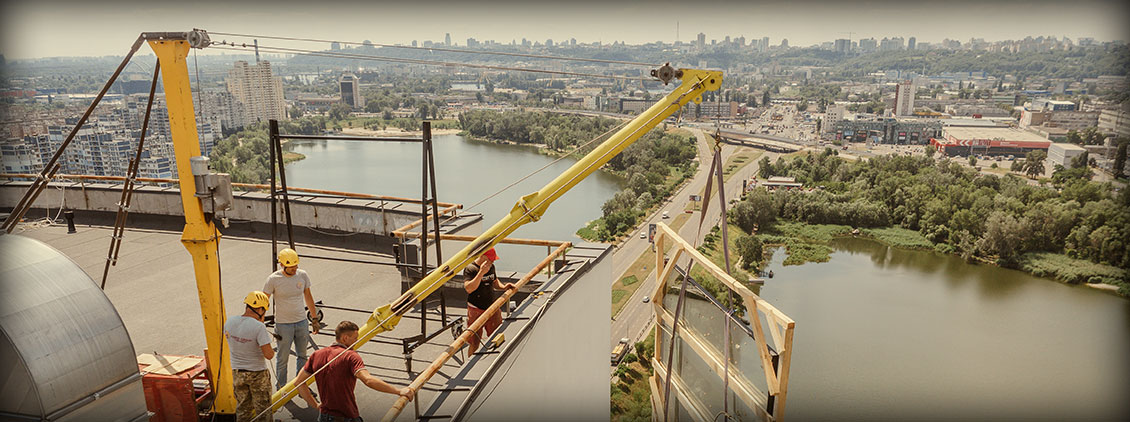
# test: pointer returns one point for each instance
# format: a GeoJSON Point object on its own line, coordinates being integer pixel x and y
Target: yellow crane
{"type": "Point", "coordinates": [531, 207]}
{"type": "Point", "coordinates": [201, 237]}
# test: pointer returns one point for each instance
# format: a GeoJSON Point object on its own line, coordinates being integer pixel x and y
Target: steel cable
{"type": "Point", "coordinates": [446, 50]}
{"type": "Point", "coordinates": [245, 47]}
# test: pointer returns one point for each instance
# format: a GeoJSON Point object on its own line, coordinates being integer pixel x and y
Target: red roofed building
{"type": "Point", "coordinates": [963, 141]}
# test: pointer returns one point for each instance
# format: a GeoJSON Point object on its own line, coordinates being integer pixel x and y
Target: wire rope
{"type": "Point", "coordinates": [446, 50]}
{"type": "Point", "coordinates": [243, 47]}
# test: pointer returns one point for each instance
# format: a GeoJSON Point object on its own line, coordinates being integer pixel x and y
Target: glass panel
{"type": "Point", "coordinates": [701, 381]}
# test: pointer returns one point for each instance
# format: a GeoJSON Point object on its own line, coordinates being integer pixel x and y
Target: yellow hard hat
{"type": "Point", "coordinates": [258, 299]}
{"type": "Point", "coordinates": [288, 257]}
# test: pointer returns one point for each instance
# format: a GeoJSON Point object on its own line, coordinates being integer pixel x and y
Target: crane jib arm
{"type": "Point", "coordinates": [531, 207]}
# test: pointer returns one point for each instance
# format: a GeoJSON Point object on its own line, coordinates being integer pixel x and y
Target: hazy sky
{"type": "Point", "coordinates": [48, 28]}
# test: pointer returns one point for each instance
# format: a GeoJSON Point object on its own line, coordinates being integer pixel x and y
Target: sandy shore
{"type": "Point", "coordinates": [394, 132]}
{"type": "Point", "coordinates": [1103, 286]}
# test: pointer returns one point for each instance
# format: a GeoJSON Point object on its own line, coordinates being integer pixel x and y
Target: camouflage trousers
{"type": "Point", "coordinates": [252, 395]}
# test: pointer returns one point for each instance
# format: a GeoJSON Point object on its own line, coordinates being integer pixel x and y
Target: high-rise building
{"type": "Point", "coordinates": [784, 43]}
{"type": "Point", "coordinates": [764, 44]}
{"type": "Point", "coordinates": [868, 45]}
{"type": "Point", "coordinates": [890, 44]}
{"type": "Point", "coordinates": [472, 43]}
{"type": "Point", "coordinates": [447, 39]}
{"type": "Point", "coordinates": [833, 114]}
{"type": "Point", "coordinates": [701, 40]}
{"type": "Point", "coordinates": [911, 43]}
{"type": "Point", "coordinates": [842, 46]}
{"type": "Point", "coordinates": [904, 98]}
{"type": "Point", "coordinates": [257, 92]}
{"type": "Point", "coordinates": [351, 91]}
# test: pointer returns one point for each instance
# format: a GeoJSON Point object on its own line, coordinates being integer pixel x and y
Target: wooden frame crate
{"type": "Point", "coordinates": [769, 405]}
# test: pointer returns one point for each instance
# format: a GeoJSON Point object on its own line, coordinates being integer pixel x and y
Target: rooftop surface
{"type": "Point", "coordinates": [153, 288]}
{"type": "Point", "coordinates": [1004, 133]}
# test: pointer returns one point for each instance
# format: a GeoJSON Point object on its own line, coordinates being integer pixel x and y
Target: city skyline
{"type": "Point", "coordinates": [46, 29]}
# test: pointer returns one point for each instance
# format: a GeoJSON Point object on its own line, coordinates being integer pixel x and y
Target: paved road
{"type": "Point", "coordinates": [636, 317]}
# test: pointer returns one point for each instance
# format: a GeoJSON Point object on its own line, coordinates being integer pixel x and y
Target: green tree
{"type": "Point", "coordinates": [1034, 163]}
{"type": "Point", "coordinates": [930, 151]}
{"type": "Point", "coordinates": [750, 250]}
{"type": "Point", "coordinates": [756, 210]}
{"type": "Point", "coordinates": [972, 160]}
{"type": "Point", "coordinates": [1120, 157]}
{"type": "Point", "coordinates": [339, 111]}
{"type": "Point", "coordinates": [1074, 138]}
{"type": "Point", "coordinates": [1002, 238]}
{"type": "Point", "coordinates": [765, 98]}
{"type": "Point", "coordinates": [1017, 166]}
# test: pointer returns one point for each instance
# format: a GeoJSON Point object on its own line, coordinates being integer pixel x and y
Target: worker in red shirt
{"type": "Point", "coordinates": [480, 281]}
{"type": "Point", "coordinates": [336, 370]}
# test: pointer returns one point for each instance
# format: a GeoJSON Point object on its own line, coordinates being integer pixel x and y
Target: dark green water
{"type": "Point", "coordinates": [466, 172]}
{"type": "Point", "coordinates": [890, 334]}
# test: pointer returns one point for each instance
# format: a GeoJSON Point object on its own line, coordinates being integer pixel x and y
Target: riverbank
{"type": "Point", "coordinates": [805, 243]}
{"type": "Point", "coordinates": [394, 132]}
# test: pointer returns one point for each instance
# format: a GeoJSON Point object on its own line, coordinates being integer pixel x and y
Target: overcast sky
{"type": "Point", "coordinates": [48, 28]}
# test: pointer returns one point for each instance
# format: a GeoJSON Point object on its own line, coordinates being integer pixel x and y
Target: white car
{"type": "Point", "coordinates": [643, 235]}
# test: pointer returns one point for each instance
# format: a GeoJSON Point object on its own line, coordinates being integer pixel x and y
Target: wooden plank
{"type": "Point", "coordinates": [661, 278]}
{"type": "Point", "coordinates": [656, 402]}
{"type": "Point", "coordinates": [775, 331]}
{"type": "Point", "coordinates": [710, 267]}
{"type": "Point", "coordinates": [167, 364]}
{"type": "Point", "coordinates": [785, 361]}
{"type": "Point", "coordinates": [763, 349]}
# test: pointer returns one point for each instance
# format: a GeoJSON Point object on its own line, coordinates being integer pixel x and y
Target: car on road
{"type": "Point", "coordinates": [643, 235]}
{"type": "Point", "coordinates": [666, 215]}
{"type": "Point", "coordinates": [646, 299]}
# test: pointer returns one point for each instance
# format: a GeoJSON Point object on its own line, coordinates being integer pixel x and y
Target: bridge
{"type": "Point", "coordinates": [767, 142]}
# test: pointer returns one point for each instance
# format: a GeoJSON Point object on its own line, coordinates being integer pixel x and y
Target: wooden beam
{"type": "Point", "coordinates": [763, 349]}
{"type": "Point", "coordinates": [785, 360]}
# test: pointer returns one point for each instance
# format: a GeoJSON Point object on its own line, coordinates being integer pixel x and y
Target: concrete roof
{"type": "Point", "coordinates": [154, 290]}
{"type": "Point", "coordinates": [1004, 133]}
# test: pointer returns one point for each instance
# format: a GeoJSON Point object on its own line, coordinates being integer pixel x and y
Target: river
{"type": "Point", "coordinates": [882, 333]}
{"type": "Point", "coordinates": [467, 171]}
{"type": "Point", "coordinates": [891, 334]}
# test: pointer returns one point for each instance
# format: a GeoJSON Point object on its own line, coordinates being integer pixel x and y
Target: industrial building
{"type": "Point", "coordinates": [1062, 154]}
{"type": "Point", "coordinates": [887, 130]}
{"type": "Point", "coordinates": [965, 141]}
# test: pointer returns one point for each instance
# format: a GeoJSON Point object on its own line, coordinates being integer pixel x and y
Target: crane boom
{"type": "Point", "coordinates": [200, 236]}
{"type": "Point", "coordinates": [531, 207]}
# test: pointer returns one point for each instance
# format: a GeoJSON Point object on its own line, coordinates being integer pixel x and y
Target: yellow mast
{"type": "Point", "coordinates": [531, 207]}
{"type": "Point", "coordinates": [200, 235]}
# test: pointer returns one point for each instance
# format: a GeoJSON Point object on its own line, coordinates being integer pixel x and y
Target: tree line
{"type": "Point", "coordinates": [245, 154]}
{"type": "Point", "coordinates": [558, 132]}
{"type": "Point", "coordinates": [976, 215]}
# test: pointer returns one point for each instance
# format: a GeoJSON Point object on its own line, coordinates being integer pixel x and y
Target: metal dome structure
{"type": "Point", "coordinates": [65, 353]}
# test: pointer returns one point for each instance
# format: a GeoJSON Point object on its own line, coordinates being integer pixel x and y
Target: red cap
{"type": "Point", "coordinates": [491, 254]}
